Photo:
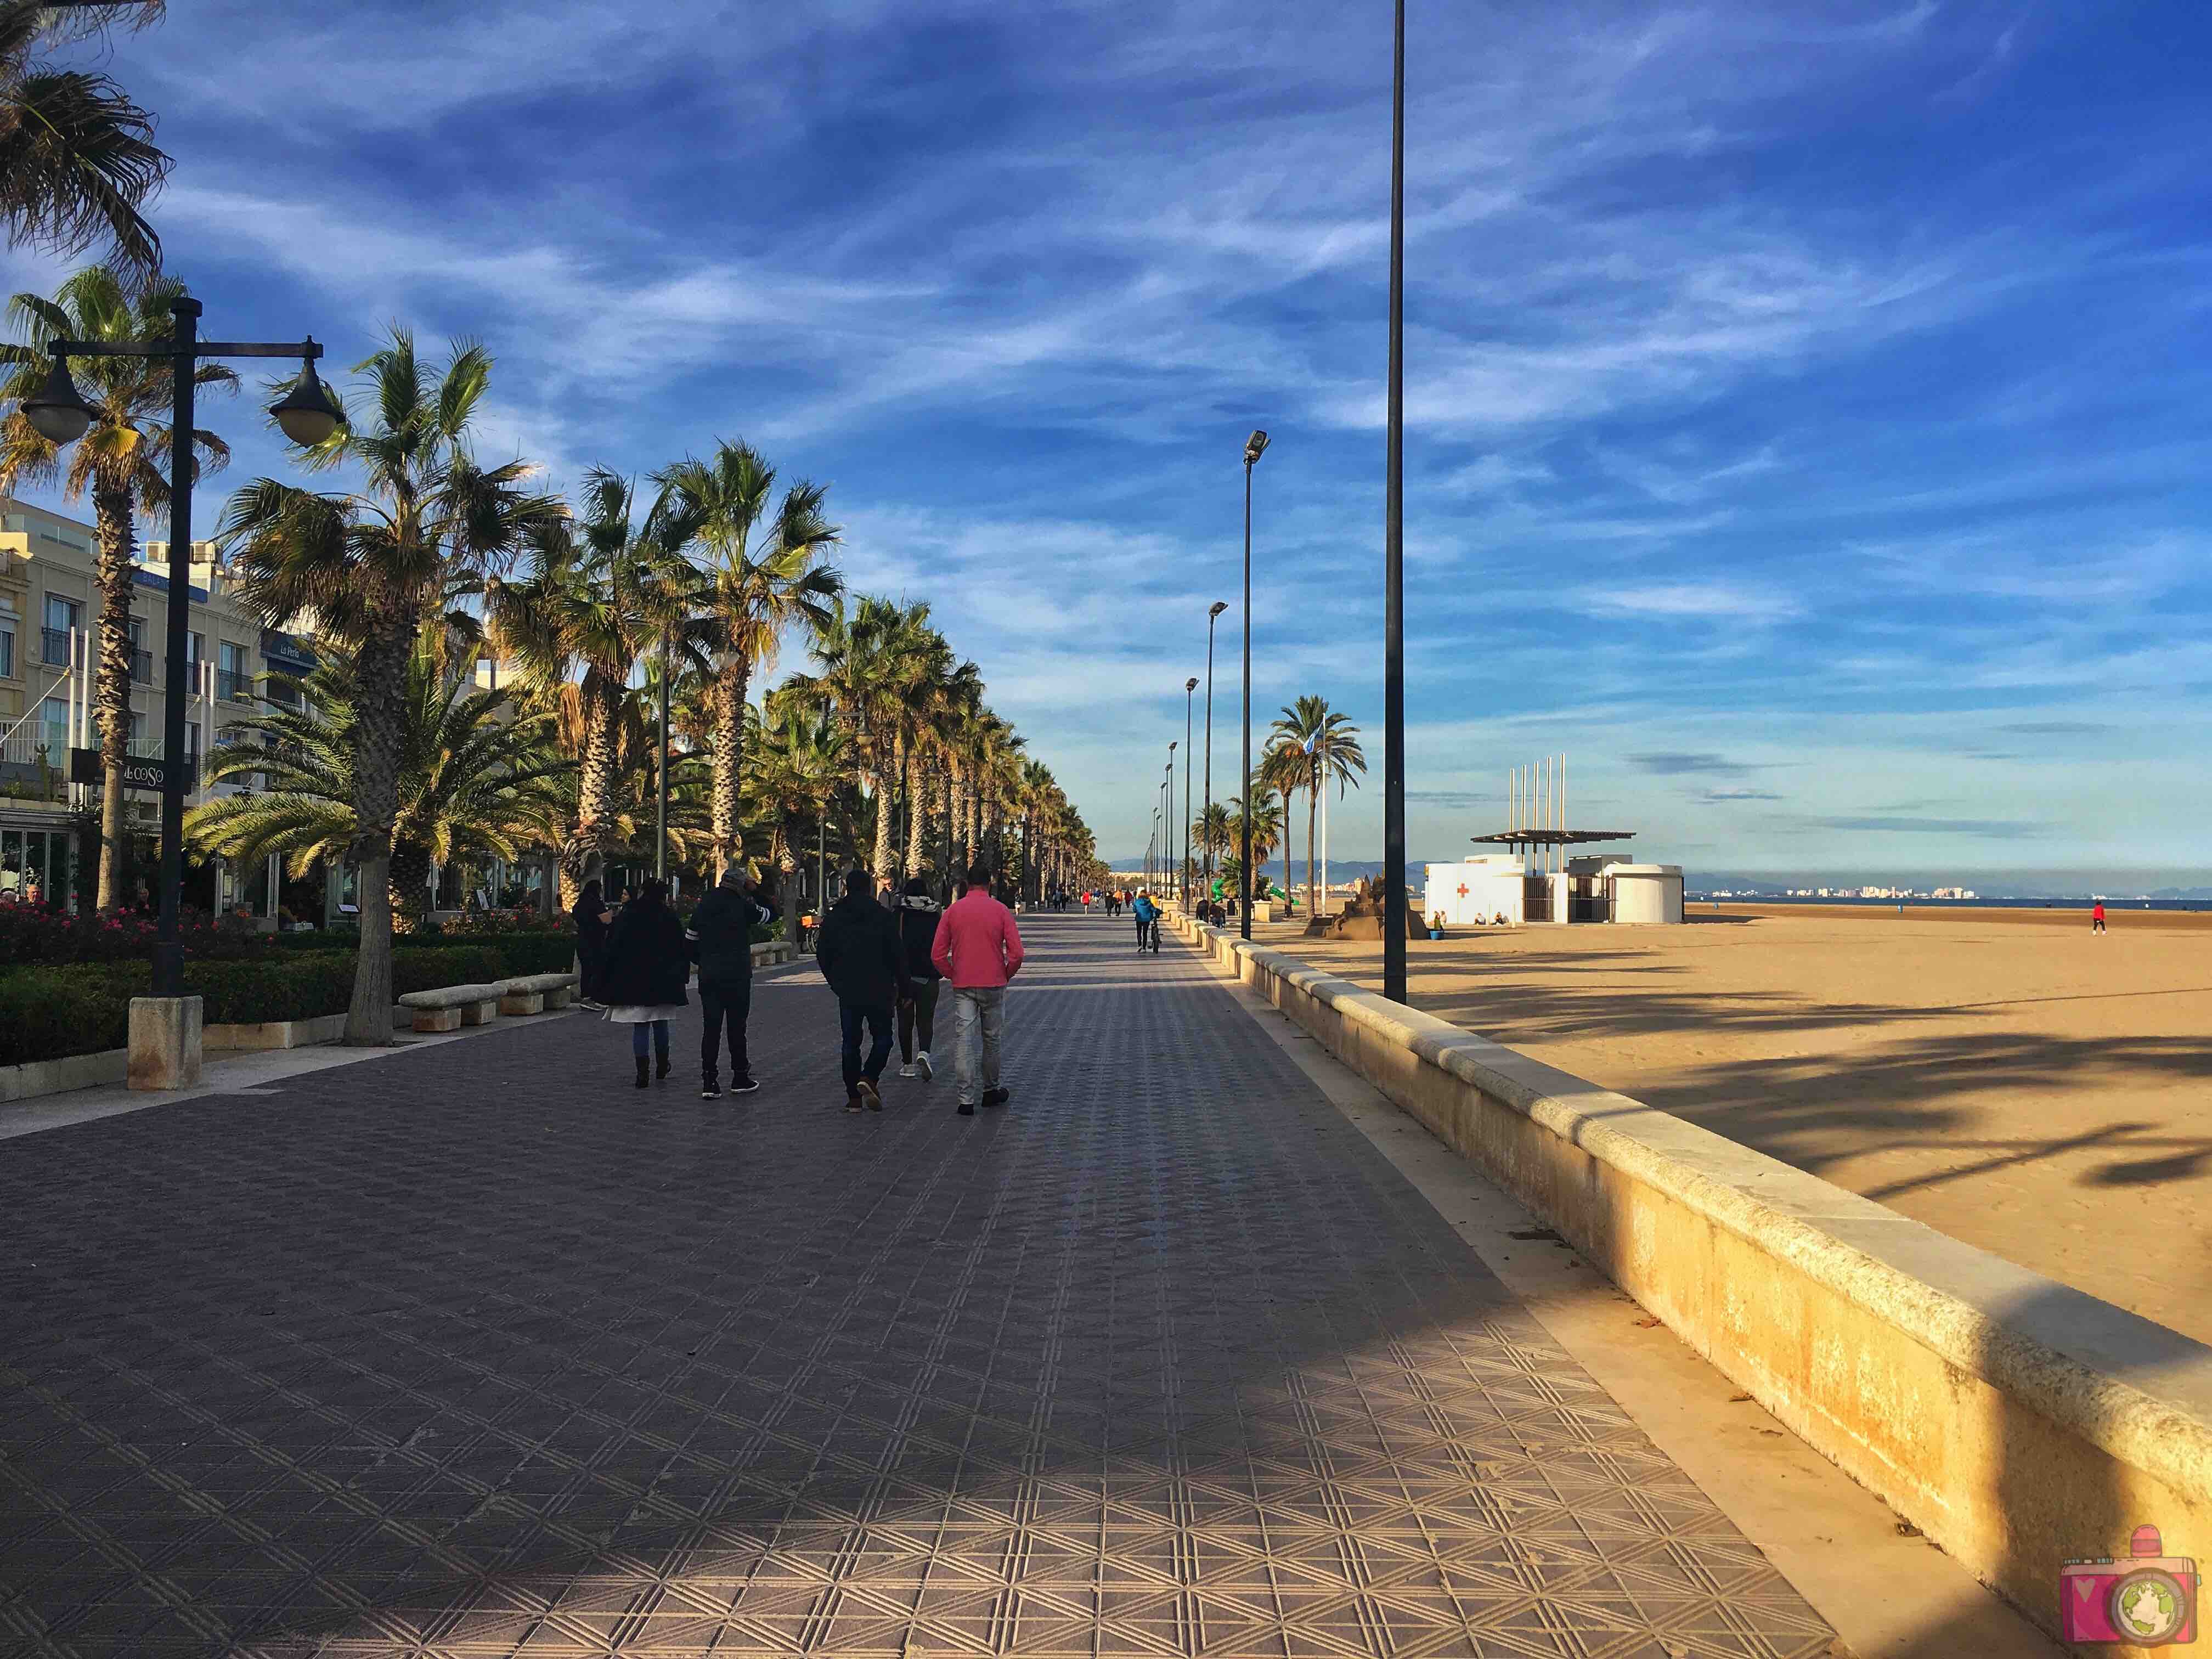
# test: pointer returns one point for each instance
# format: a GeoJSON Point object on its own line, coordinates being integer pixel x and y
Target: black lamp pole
{"type": "Point", "coordinates": [1394, 604]}
{"type": "Point", "coordinates": [1182, 875]}
{"type": "Point", "coordinates": [1254, 446]}
{"type": "Point", "coordinates": [660, 820]}
{"type": "Point", "coordinates": [1206, 851]}
{"type": "Point", "coordinates": [60, 414]}
{"type": "Point", "coordinates": [1167, 818]}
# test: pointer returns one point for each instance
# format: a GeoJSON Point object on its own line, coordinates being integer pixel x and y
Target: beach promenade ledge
{"type": "Point", "coordinates": [2017, 1423]}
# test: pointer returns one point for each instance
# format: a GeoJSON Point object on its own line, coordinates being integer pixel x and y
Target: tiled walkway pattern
{"type": "Point", "coordinates": [481, 1352]}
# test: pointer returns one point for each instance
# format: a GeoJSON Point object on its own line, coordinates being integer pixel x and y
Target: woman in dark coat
{"type": "Point", "coordinates": [591, 916]}
{"type": "Point", "coordinates": [648, 966]}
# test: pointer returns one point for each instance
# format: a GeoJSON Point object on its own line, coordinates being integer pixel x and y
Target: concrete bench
{"type": "Point", "coordinates": [452, 1006]}
{"type": "Point", "coordinates": [534, 993]}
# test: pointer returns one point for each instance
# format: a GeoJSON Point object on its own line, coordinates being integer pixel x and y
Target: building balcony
{"type": "Point", "coordinates": [141, 666]}
{"type": "Point", "coordinates": [54, 646]}
{"type": "Point", "coordinates": [234, 686]}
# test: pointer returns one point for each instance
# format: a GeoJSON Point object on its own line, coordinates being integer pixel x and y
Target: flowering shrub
{"type": "Point", "coordinates": [31, 933]}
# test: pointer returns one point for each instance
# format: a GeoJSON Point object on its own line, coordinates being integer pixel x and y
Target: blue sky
{"type": "Point", "coordinates": [1807, 404]}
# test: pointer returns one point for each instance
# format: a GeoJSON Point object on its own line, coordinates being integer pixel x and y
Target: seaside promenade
{"type": "Point", "coordinates": [477, 1351]}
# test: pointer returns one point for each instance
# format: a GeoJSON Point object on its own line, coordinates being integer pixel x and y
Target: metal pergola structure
{"type": "Point", "coordinates": [1527, 840]}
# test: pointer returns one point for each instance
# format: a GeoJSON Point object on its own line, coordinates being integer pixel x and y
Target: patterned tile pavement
{"type": "Point", "coordinates": [481, 1352]}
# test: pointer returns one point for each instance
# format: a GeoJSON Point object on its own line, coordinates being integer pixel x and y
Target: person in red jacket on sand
{"type": "Point", "coordinates": [979, 950]}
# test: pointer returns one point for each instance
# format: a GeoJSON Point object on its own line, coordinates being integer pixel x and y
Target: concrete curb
{"type": "Point", "coordinates": [2017, 1422]}
{"type": "Point", "coordinates": [53, 1077]}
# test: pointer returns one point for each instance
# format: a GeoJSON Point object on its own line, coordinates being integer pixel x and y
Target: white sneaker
{"type": "Point", "coordinates": [922, 1064]}
{"type": "Point", "coordinates": [906, 1070]}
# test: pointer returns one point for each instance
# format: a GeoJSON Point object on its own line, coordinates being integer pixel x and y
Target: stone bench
{"type": "Point", "coordinates": [534, 993]}
{"type": "Point", "coordinates": [452, 1006]}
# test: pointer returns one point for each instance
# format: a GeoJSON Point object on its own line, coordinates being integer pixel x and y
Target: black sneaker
{"type": "Point", "coordinates": [851, 1102]}
{"type": "Point", "coordinates": [997, 1097]}
{"type": "Point", "coordinates": [710, 1089]}
{"type": "Point", "coordinates": [870, 1097]}
{"type": "Point", "coordinates": [744, 1086]}
{"type": "Point", "coordinates": [967, 1108]}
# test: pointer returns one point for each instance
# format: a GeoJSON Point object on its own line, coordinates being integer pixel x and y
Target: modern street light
{"type": "Point", "coordinates": [1254, 446]}
{"type": "Point", "coordinates": [1183, 872]}
{"type": "Point", "coordinates": [308, 415]}
{"type": "Point", "coordinates": [1167, 803]}
{"type": "Point", "coordinates": [1393, 602]}
{"type": "Point", "coordinates": [1212, 616]}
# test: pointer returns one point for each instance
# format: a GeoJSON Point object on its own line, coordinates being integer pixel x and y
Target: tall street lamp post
{"type": "Point", "coordinates": [308, 416]}
{"type": "Point", "coordinates": [1254, 446]}
{"type": "Point", "coordinates": [1394, 603]}
{"type": "Point", "coordinates": [1167, 816]}
{"type": "Point", "coordinates": [1182, 875]}
{"type": "Point", "coordinates": [1212, 616]}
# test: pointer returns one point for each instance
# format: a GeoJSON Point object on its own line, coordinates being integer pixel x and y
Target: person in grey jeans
{"type": "Point", "coordinates": [979, 950]}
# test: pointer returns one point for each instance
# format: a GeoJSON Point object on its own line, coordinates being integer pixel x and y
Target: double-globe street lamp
{"type": "Point", "coordinates": [59, 412]}
{"type": "Point", "coordinates": [1254, 446]}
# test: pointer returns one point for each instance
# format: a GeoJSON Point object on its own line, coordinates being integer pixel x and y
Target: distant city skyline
{"type": "Point", "coordinates": [1805, 402]}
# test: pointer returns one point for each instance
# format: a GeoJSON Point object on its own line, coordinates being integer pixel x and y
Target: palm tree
{"type": "Point", "coordinates": [1318, 747]}
{"type": "Point", "coordinates": [77, 157]}
{"type": "Point", "coordinates": [122, 462]}
{"type": "Point", "coordinates": [471, 781]}
{"type": "Point", "coordinates": [1282, 771]}
{"type": "Point", "coordinates": [600, 592]}
{"type": "Point", "coordinates": [1214, 831]}
{"type": "Point", "coordinates": [1266, 824]}
{"type": "Point", "coordinates": [371, 569]}
{"type": "Point", "coordinates": [766, 575]}
{"type": "Point", "coordinates": [797, 768]}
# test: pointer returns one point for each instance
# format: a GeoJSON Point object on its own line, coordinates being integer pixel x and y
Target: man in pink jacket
{"type": "Point", "coordinates": [979, 950]}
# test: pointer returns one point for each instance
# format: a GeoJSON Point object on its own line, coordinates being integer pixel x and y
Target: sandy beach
{"type": "Point", "coordinates": [2004, 1076]}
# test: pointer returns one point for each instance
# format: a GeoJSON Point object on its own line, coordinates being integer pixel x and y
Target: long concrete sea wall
{"type": "Point", "coordinates": [2017, 1423]}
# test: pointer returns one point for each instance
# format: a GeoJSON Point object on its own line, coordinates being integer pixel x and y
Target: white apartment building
{"type": "Point", "coordinates": [50, 616]}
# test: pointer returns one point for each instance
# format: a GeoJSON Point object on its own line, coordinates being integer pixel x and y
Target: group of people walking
{"type": "Point", "coordinates": [887, 957]}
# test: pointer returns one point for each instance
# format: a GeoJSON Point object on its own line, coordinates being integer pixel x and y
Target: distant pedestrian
{"type": "Point", "coordinates": [2097, 917]}
{"type": "Point", "coordinates": [593, 917]}
{"type": "Point", "coordinates": [721, 940]}
{"type": "Point", "coordinates": [860, 956]}
{"type": "Point", "coordinates": [979, 949]}
{"type": "Point", "coordinates": [918, 916]}
{"type": "Point", "coordinates": [647, 967]}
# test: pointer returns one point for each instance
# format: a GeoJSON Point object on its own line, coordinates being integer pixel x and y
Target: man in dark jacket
{"type": "Point", "coordinates": [721, 940]}
{"type": "Point", "coordinates": [860, 955]}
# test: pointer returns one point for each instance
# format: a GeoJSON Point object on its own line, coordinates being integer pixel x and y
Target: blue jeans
{"type": "Point", "coordinates": [659, 1029]}
{"type": "Point", "coordinates": [850, 1017]}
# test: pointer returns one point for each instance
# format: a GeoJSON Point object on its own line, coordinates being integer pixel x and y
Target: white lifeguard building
{"type": "Point", "coordinates": [1539, 878]}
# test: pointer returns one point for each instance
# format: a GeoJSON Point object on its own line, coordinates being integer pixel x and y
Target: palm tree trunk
{"type": "Point", "coordinates": [1313, 806]}
{"type": "Point", "coordinates": [915, 797]}
{"type": "Point", "coordinates": [729, 740]}
{"type": "Point", "coordinates": [887, 805]}
{"type": "Point", "coordinates": [595, 787]}
{"type": "Point", "coordinates": [117, 540]}
{"type": "Point", "coordinates": [1286, 846]}
{"type": "Point", "coordinates": [381, 713]}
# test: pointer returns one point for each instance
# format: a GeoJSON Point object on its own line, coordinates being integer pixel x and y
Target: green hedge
{"type": "Point", "coordinates": [47, 1013]}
